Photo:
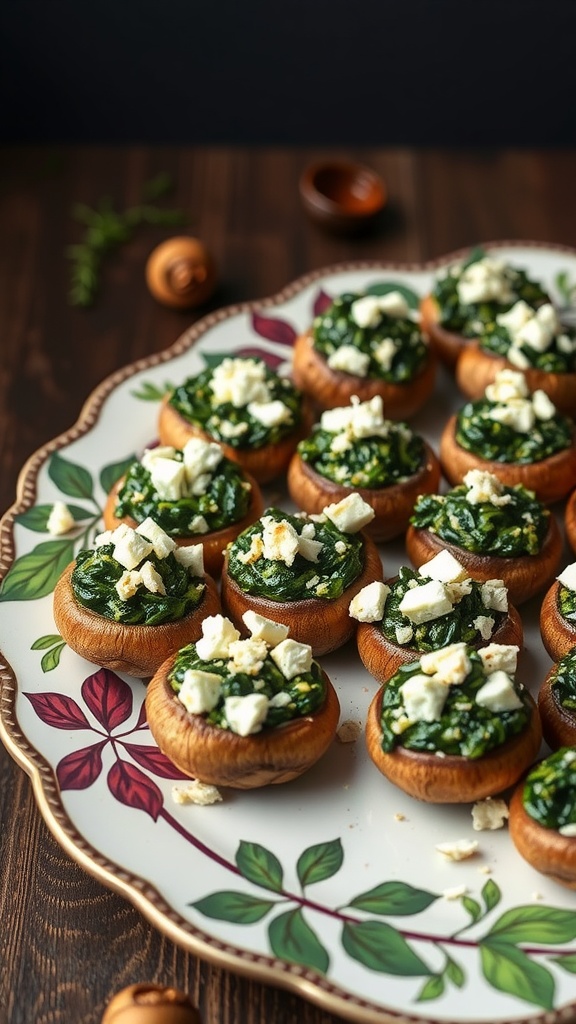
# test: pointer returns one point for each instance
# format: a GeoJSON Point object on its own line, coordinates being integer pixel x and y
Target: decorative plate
{"type": "Point", "coordinates": [331, 885]}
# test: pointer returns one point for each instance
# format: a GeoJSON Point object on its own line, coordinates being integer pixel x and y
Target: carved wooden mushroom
{"type": "Point", "coordinates": [181, 273]}
{"type": "Point", "coordinates": [148, 1003]}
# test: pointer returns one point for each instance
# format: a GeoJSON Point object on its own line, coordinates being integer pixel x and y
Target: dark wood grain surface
{"type": "Point", "coordinates": [67, 944]}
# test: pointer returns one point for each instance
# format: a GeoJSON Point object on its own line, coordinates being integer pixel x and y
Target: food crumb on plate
{"type": "Point", "coordinates": [461, 849]}
{"type": "Point", "coordinates": [455, 893]}
{"type": "Point", "coordinates": [195, 792]}
{"type": "Point", "coordinates": [489, 814]}
{"type": "Point", "coordinates": [349, 731]}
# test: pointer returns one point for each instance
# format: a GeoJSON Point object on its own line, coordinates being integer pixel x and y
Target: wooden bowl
{"type": "Point", "coordinates": [523, 575]}
{"type": "Point", "coordinates": [452, 779]}
{"type": "Point", "coordinates": [558, 635]}
{"type": "Point", "coordinates": [558, 723]}
{"type": "Point", "coordinates": [330, 388]}
{"type": "Point", "coordinates": [213, 543]}
{"type": "Point", "coordinates": [137, 650]}
{"type": "Point", "coordinates": [263, 464]}
{"type": "Point", "coordinates": [324, 624]}
{"type": "Point", "coordinates": [342, 195]}
{"type": "Point", "coordinates": [392, 505]}
{"type": "Point", "coordinates": [551, 479]}
{"type": "Point", "coordinates": [476, 369]}
{"type": "Point", "coordinates": [223, 758]}
{"type": "Point", "coordinates": [549, 852]}
{"type": "Point", "coordinates": [382, 658]}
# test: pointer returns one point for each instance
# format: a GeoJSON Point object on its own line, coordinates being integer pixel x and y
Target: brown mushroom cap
{"type": "Point", "coordinates": [263, 464]}
{"type": "Point", "coordinates": [213, 543]}
{"type": "Point", "coordinates": [476, 369]}
{"type": "Point", "coordinates": [551, 479]}
{"type": "Point", "coordinates": [524, 575]}
{"type": "Point", "coordinates": [223, 758]}
{"type": "Point", "coordinates": [558, 723]}
{"type": "Point", "coordinates": [453, 779]}
{"type": "Point", "coordinates": [332, 388]}
{"type": "Point", "coordinates": [570, 521]}
{"type": "Point", "coordinates": [181, 272]}
{"type": "Point", "coordinates": [382, 658]}
{"type": "Point", "coordinates": [446, 344]}
{"type": "Point", "coordinates": [135, 649]}
{"type": "Point", "coordinates": [558, 634]}
{"type": "Point", "coordinates": [545, 849]}
{"type": "Point", "coordinates": [148, 1003]}
{"type": "Point", "coordinates": [392, 505]}
{"type": "Point", "coordinates": [323, 623]}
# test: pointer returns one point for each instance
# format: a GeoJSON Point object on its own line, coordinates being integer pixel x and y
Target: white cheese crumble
{"type": "Point", "coordinates": [499, 658]}
{"type": "Point", "coordinates": [245, 715]}
{"type": "Point", "coordinates": [292, 658]}
{"type": "Point", "coordinates": [461, 849]}
{"type": "Point", "coordinates": [368, 604]}
{"type": "Point", "coordinates": [200, 793]}
{"type": "Point", "coordinates": [567, 577]}
{"type": "Point", "coordinates": [265, 629]}
{"type": "Point", "coordinates": [498, 693]}
{"type": "Point", "coordinates": [482, 486]}
{"type": "Point", "coordinates": [239, 381]}
{"type": "Point", "coordinates": [489, 814]}
{"type": "Point", "coordinates": [486, 280]}
{"type": "Point", "coordinates": [367, 311]}
{"type": "Point", "coordinates": [349, 359]}
{"type": "Point", "coordinates": [217, 635]}
{"type": "Point", "coordinates": [425, 603]}
{"type": "Point", "coordinates": [200, 691]}
{"type": "Point", "coordinates": [60, 520]}
{"type": "Point", "coordinates": [445, 568]}
{"type": "Point", "coordinates": [351, 514]}
{"type": "Point", "coordinates": [423, 697]}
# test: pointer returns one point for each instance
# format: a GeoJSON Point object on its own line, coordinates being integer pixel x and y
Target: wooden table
{"type": "Point", "coordinates": [67, 944]}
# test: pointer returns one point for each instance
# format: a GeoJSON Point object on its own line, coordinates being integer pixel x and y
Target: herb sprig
{"type": "Point", "coordinates": [106, 230]}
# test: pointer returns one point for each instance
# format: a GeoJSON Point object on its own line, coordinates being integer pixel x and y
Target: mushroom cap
{"type": "Point", "coordinates": [476, 369]}
{"type": "Point", "coordinates": [545, 849]}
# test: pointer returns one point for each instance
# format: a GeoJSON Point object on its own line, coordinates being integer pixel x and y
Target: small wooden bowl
{"type": "Point", "coordinates": [446, 344]}
{"type": "Point", "coordinates": [382, 658]}
{"type": "Point", "coordinates": [263, 464]}
{"type": "Point", "coordinates": [137, 650]}
{"type": "Point", "coordinates": [452, 779]}
{"type": "Point", "coordinates": [324, 624]}
{"type": "Point", "coordinates": [551, 479]}
{"type": "Point", "coordinates": [476, 369]}
{"type": "Point", "coordinates": [213, 543]}
{"type": "Point", "coordinates": [549, 852]}
{"type": "Point", "coordinates": [570, 521]}
{"type": "Point", "coordinates": [330, 388]}
{"type": "Point", "coordinates": [524, 575]}
{"type": "Point", "coordinates": [392, 505]}
{"type": "Point", "coordinates": [558, 635]}
{"type": "Point", "coordinates": [558, 723]}
{"type": "Point", "coordinates": [342, 195]}
{"type": "Point", "coordinates": [223, 758]}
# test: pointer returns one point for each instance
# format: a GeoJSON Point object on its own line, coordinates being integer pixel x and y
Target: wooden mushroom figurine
{"type": "Point", "coordinates": [149, 1003]}
{"type": "Point", "coordinates": [181, 272]}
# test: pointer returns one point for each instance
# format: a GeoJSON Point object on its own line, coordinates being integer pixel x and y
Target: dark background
{"type": "Point", "coordinates": [320, 72]}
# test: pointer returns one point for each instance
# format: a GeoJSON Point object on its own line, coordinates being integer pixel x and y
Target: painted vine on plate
{"type": "Point", "coordinates": [518, 949]}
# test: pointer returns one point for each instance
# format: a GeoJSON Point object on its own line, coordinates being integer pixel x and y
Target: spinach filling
{"type": "Point", "coordinates": [563, 682]}
{"type": "Point", "coordinates": [94, 581]}
{"type": "Point", "coordinates": [233, 424]}
{"type": "Point", "coordinates": [464, 729]}
{"type": "Point", "coordinates": [509, 530]}
{"type": "Point", "coordinates": [490, 439]}
{"type": "Point", "coordinates": [567, 604]}
{"type": "Point", "coordinates": [456, 626]}
{"type": "Point", "coordinates": [336, 327]}
{"type": "Point", "coordinates": [340, 562]}
{"type": "Point", "coordinates": [479, 318]}
{"type": "Point", "coordinates": [549, 795]}
{"type": "Point", "coordinates": [559, 357]}
{"type": "Point", "coordinates": [369, 462]}
{"type": "Point", "coordinates": [307, 690]}
{"type": "Point", "coordinates": [225, 501]}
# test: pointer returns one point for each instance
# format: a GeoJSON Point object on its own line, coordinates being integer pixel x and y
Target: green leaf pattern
{"type": "Point", "coordinates": [510, 951]}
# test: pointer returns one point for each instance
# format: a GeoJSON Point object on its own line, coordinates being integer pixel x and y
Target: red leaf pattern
{"type": "Point", "coordinates": [134, 789]}
{"type": "Point", "coordinates": [81, 768]}
{"type": "Point", "coordinates": [58, 711]}
{"type": "Point", "coordinates": [321, 302]}
{"type": "Point", "coordinates": [273, 329]}
{"type": "Point", "coordinates": [271, 360]}
{"type": "Point", "coordinates": [108, 697]}
{"type": "Point", "coordinates": [153, 760]}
